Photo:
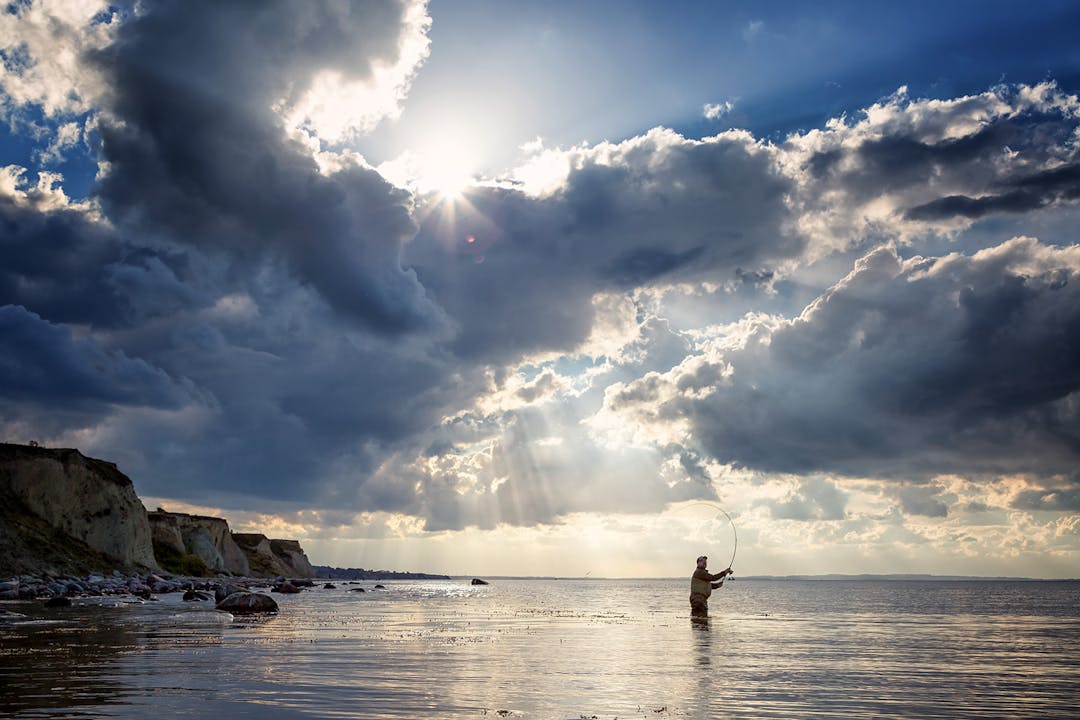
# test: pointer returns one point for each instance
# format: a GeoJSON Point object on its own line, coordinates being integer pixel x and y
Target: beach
{"type": "Point", "coordinates": [557, 649]}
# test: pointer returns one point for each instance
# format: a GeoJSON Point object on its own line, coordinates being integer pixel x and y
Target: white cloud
{"type": "Point", "coordinates": [902, 368]}
{"type": "Point", "coordinates": [46, 195]}
{"type": "Point", "coordinates": [45, 43]}
{"type": "Point", "coordinates": [335, 108]}
{"type": "Point", "coordinates": [715, 111]}
{"type": "Point", "coordinates": [909, 167]}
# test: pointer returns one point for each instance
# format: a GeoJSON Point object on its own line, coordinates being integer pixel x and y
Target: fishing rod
{"type": "Point", "coordinates": [734, 532]}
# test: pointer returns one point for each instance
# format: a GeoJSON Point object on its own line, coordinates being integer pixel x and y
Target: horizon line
{"type": "Point", "coordinates": [818, 576]}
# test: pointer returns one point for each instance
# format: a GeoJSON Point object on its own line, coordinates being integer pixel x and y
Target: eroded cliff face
{"type": "Point", "coordinates": [273, 558]}
{"type": "Point", "coordinates": [207, 538]}
{"type": "Point", "coordinates": [165, 531]}
{"type": "Point", "coordinates": [290, 552]}
{"type": "Point", "coordinates": [62, 509]}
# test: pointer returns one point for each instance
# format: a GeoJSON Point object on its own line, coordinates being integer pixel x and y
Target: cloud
{"type": "Point", "coordinates": [55, 254]}
{"type": "Point", "coordinates": [34, 73]}
{"type": "Point", "coordinates": [922, 500]}
{"type": "Point", "coordinates": [47, 370]}
{"type": "Point", "coordinates": [336, 105]}
{"type": "Point", "coordinates": [655, 210]}
{"type": "Point", "coordinates": [901, 369]}
{"type": "Point", "coordinates": [911, 165]}
{"type": "Point", "coordinates": [1061, 496]}
{"type": "Point", "coordinates": [814, 498]}
{"type": "Point", "coordinates": [715, 111]}
{"type": "Point", "coordinates": [197, 158]}
{"type": "Point", "coordinates": [1018, 195]}
{"type": "Point", "coordinates": [248, 315]}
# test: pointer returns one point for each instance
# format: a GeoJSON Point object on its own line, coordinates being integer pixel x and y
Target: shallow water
{"type": "Point", "coordinates": [560, 649]}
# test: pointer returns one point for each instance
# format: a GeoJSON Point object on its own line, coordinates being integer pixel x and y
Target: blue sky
{"type": "Point", "coordinates": [515, 288]}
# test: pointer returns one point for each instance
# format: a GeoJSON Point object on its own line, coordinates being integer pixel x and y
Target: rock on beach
{"type": "Point", "coordinates": [145, 585]}
{"type": "Point", "coordinates": [248, 603]}
{"type": "Point", "coordinates": [286, 588]}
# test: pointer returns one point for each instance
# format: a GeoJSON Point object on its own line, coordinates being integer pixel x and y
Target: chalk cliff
{"type": "Point", "coordinates": [293, 556]}
{"type": "Point", "coordinates": [207, 538]}
{"type": "Point", "coordinates": [61, 510]}
{"type": "Point", "coordinates": [272, 558]}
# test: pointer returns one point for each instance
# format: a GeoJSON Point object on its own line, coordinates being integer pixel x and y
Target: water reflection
{"type": "Point", "coordinates": [58, 658]}
{"type": "Point", "coordinates": [560, 649]}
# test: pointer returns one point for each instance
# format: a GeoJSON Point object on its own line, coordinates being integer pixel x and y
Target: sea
{"type": "Point", "coordinates": [559, 648]}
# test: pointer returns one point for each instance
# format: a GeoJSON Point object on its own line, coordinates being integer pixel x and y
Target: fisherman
{"type": "Point", "coordinates": [702, 583]}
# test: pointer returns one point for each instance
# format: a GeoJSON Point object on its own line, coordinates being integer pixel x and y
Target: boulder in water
{"type": "Point", "coordinates": [248, 603]}
{"type": "Point", "coordinates": [59, 601]}
{"type": "Point", "coordinates": [478, 581]}
{"type": "Point", "coordinates": [223, 591]}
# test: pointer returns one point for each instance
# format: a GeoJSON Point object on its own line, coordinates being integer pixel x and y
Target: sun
{"type": "Point", "coordinates": [446, 169]}
{"type": "Point", "coordinates": [441, 165]}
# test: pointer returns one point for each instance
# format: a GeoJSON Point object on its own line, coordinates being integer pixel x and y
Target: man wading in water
{"type": "Point", "coordinates": [702, 583]}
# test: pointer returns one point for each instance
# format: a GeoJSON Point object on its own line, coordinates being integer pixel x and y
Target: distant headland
{"type": "Point", "coordinates": [334, 573]}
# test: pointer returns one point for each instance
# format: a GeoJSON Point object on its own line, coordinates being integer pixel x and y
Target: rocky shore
{"type": "Point", "coordinates": [237, 595]}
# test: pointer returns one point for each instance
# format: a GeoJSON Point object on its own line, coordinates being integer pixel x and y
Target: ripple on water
{"type": "Point", "coordinates": [561, 649]}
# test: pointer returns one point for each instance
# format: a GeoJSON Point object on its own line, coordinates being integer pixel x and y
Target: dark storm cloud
{"type": "Point", "coordinates": [54, 262]}
{"type": "Point", "coordinates": [901, 370]}
{"type": "Point", "coordinates": [657, 209]}
{"type": "Point", "coordinates": [197, 158]}
{"type": "Point", "coordinates": [45, 366]}
{"type": "Point", "coordinates": [226, 257]}
{"type": "Point", "coordinates": [304, 409]}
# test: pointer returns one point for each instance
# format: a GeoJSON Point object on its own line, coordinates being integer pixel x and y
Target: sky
{"type": "Point", "coordinates": [558, 288]}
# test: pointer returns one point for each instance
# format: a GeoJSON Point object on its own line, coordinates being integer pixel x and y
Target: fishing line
{"type": "Point", "coordinates": [734, 532]}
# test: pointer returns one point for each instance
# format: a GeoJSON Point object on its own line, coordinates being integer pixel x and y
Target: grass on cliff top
{"type": "Point", "coordinates": [177, 563]}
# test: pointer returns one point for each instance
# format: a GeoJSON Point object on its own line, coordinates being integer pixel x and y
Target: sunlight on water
{"type": "Point", "coordinates": [560, 649]}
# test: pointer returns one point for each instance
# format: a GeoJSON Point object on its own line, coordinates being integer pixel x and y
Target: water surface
{"type": "Point", "coordinates": [560, 649]}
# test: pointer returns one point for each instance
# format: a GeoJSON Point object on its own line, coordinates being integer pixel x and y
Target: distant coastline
{"type": "Point", "coordinates": [905, 577]}
{"type": "Point", "coordinates": [325, 572]}
{"type": "Point", "coordinates": [869, 577]}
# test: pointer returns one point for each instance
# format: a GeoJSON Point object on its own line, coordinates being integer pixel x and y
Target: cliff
{"type": "Point", "coordinates": [293, 556]}
{"type": "Point", "coordinates": [272, 558]}
{"type": "Point", "coordinates": [62, 511]}
{"type": "Point", "coordinates": [207, 538]}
